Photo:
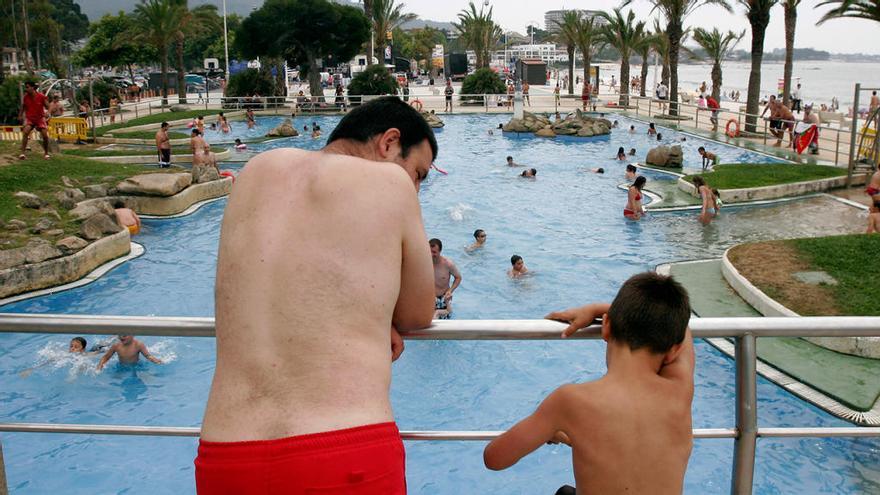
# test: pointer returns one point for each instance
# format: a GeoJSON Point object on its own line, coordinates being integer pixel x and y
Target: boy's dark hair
{"type": "Point", "coordinates": [163, 125]}
{"type": "Point", "coordinates": [631, 168]}
{"type": "Point", "coordinates": [514, 259]}
{"type": "Point", "coordinates": [436, 242]}
{"type": "Point", "coordinates": [600, 170]}
{"type": "Point", "coordinates": [534, 171]}
{"type": "Point", "coordinates": [509, 158]}
{"type": "Point", "coordinates": [701, 149]}
{"type": "Point", "coordinates": [196, 132]}
{"type": "Point", "coordinates": [118, 203]}
{"type": "Point", "coordinates": [478, 232]}
{"type": "Point", "coordinates": [698, 181]}
{"type": "Point", "coordinates": [32, 84]}
{"type": "Point", "coordinates": [81, 341]}
{"type": "Point", "coordinates": [379, 115]}
{"type": "Point", "coordinates": [650, 310]}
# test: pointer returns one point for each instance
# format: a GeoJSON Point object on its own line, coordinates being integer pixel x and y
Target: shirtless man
{"type": "Point", "coordinates": [444, 268]}
{"type": "Point", "coordinates": [479, 240]}
{"type": "Point", "coordinates": [55, 107]}
{"type": "Point", "coordinates": [517, 267]}
{"type": "Point", "coordinates": [875, 102]}
{"type": "Point", "coordinates": [127, 217]}
{"type": "Point", "coordinates": [323, 258]}
{"type": "Point", "coordinates": [873, 188]}
{"type": "Point", "coordinates": [811, 118]}
{"type": "Point", "coordinates": [511, 163]}
{"type": "Point", "coordinates": [128, 349]}
{"type": "Point", "coordinates": [163, 146]}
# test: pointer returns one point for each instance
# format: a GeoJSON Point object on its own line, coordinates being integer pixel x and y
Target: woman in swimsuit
{"type": "Point", "coordinates": [621, 154]}
{"type": "Point", "coordinates": [634, 209]}
{"type": "Point", "coordinates": [710, 204]}
{"type": "Point", "coordinates": [651, 129]}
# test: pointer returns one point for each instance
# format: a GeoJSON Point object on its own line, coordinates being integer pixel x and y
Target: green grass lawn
{"type": "Point", "coordinates": [742, 175]}
{"type": "Point", "coordinates": [177, 150]}
{"type": "Point", "coordinates": [149, 135]}
{"type": "Point", "coordinates": [852, 261]}
{"type": "Point", "coordinates": [155, 119]}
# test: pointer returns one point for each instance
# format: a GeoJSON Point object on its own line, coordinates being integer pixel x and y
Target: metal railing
{"type": "Point", "coordinates": [743, 330]}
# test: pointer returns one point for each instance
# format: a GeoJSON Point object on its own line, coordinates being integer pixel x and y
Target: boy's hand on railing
{"type": "Point", "coordinates": [578, 318]}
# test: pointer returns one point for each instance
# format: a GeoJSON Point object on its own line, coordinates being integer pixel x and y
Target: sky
{"type": "Point", "coordinates": [837, 36]}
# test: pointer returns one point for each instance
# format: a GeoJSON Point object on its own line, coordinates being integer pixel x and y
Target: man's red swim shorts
{"type": "Point", "coordinates": [365, 460]}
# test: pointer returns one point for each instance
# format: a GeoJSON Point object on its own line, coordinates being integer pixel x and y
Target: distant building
{"type": "Point", "coordinates": [11, 64]}
{"type": "Point", "coordinates": [545, 52]}
{"type": "Point", "coordinates": [551, 17]}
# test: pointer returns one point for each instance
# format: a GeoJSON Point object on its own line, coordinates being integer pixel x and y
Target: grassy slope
{"type": "Point", "coordinates": [155, 119]}
{"type": "Point", "coordinates": [852, 261]}
{"type": "Point", "coordinates": [735, 176]}
{"type": "Point", "coordinates": [133, 152]}
{"type": "Point", "coordinates": [148, 135]}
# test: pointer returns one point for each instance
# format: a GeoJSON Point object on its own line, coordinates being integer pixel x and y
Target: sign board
{"type": "Point", "coordinates": [211, 63]}
{"type": "Point", "coordinates": [437, 57]}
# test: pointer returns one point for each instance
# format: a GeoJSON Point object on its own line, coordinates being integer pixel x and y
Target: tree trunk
{"type": "Point", "coordinates": [790, 25]}
{"type": "Point", "coordinates": [314, 76]}
{"type": "Point", "coordinates": [716, 80]}
{"type": "Point", "coordinates": [624, 82]}
{"type": "Point", "coordinates": [674, 31]}
{"type": "Point", "coordinates": [664, 74]}
{"type": "Point", "coordinates": [368, 11]}
{"type": "Point", "coordinates": [164, 75]}
{"type": "Point", "coordinates": [181, 73]}
{"type": "Point", "coordinates": [570, 50]}
{"type": "Point", "coordinates": [644, 75]}
{"type": "Point", "coordinates": [27, 44]}
{"type": "Point", "coordinates": [759, 27]}
{"type": "Point", "coordinates": [587, 62]}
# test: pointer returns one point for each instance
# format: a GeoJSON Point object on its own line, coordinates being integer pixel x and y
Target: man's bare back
{"type": "Point", "coordinates": [308, 274]}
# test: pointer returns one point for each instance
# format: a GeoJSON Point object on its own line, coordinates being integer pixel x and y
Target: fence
{"type": "Point", "coordinates": [744, 331]}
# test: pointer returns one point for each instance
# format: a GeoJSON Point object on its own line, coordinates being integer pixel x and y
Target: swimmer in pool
{"type": "Point", "coordinates": [632, 152]}
{"type": "Point", "coordinates": [708, 158]}
{"type": "Point", "coordinates": [659, 137]}
{"type": "Point", "coordinates": [127, 217]}
{"type": "Point", "coordinates": [634, 209]}
{"type": "Point", "coordinates": [651, 129]}
{"type": "Point", "coordinates": [77, 346]}
{"type": "Point", "coordinates": [529, 174]}
{"type": "Point", "coordinates": [128, 350]}
{"type": "Point", "coordinates": [479, 240]}
{"type": "Point", "coordinates": [632, 129]}
{"type": "Point", "coordinates": [621, 154]}
{"type": "Point", "coordinates": [517, 267]}
{"type": "Point", "coordinates": [511, 163]}
{"type": "Point", "coordinates": [599, 170]}
{"type": "Point", "coordinates": [710, 206]}
{"type": "Point", "coordinates": [239, 146]}
{"type": "Point", "coordinates": [630, 172]}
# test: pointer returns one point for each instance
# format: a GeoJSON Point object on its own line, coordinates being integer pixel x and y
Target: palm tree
{"type": "Point", "coordinates": [190, 22]}
{"type": "Point", "coordinates": [568, 35]}
{"type": "Point", "coordinates": [718, 46]}
{"type": "Point", "coordinates": [156, 25]}
{"type": "Point", "coordinates": [675, 12]}
{"type": "Point", "coordinates": [758, 14]}
{"type": "Point", "coordinates": [627, 36]}
{"type": "Point", "coordinates": [479, 32]}
{"type": "Point", "coordinates": [386, 17]}
{"type": "Point", "coordinates": [661, 46]}
{"type": "Point", "coordinates": [368, 11]}
{"type": "Point", "coordinates": [587, 39]}
{"type": "Point", "coordinates": [856, 9]}
{"type": "Point", "coordinates": [790, 7]}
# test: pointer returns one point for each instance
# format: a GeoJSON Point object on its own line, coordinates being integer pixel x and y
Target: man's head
{"type": "Point", "coordinates": [701, 150]}
{"type": "Point", "coordinates": [388, 130]}
{"type": "Point", "coordinates": [509, 159]}
{"type": "Point", "coordinates": [436, 247]}
{"type": "Point", "coordinates": [516, 262]}
{"type": "Point", "coordinates": [30, 87]}
{"type": "Point", "coordinates": [195, 132]}
{"type": "Point", "coordinates": [650, 311]}
{"type": "Point", "coordinates": [808, 109]}
{"type": "Point", "coordinates": [631, 168]}
{"type": "Point", "coordinates": [126, 339]}
{"type": "Point", "coordinates": [77, 344]}
{"type": "Point", "coordinates": [479, 234]}
{"type": "Point", "coordinates": [118, 203]}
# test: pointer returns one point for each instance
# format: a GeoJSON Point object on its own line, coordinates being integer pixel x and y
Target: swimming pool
{"type": "Point", "coordinates": [568, 226]}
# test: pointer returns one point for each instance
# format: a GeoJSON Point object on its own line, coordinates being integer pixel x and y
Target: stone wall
{"type": "Point", "coordinates": [777, 191]}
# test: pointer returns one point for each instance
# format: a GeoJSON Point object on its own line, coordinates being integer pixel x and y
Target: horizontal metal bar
{"type": "Point", "coordinates": [808, 326]}
{"type": "Point", "coordinates": [180, 431]}
{"type": "Point", "coordinates": [819, 432]}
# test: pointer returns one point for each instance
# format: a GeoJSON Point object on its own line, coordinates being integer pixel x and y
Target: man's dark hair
{"type": "Point", "coordinates": [164, 125]}
{"type": "Point", "coordinates": [631, 168]}
{"type": "Point", "coordinates": [379, 115]}
{"type": "Point", "coordinates": [650, 310]}
{"type": "Point", "coordinates": [478, 232]}
{"type": "Point", "coordinates": [436, 242]}
{"type": "Point", "coordinates": [509, 158]}
{"type": "Point", "coordinates": [32, 84]}
{"type": "Point", "coordinates": [701, 149]}
{"type": "Point", "coordinates": [81, 341]}
{"type": "Point", "coordinates": [118, 203]}
{"type": "Point", "coordinates": [514, 259]}
{"type": "Point", "coordinates": [195, 132]}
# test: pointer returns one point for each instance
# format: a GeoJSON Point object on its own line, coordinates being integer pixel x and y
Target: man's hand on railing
{"type": "Point", "coordinates": [579, 318]}
{"type": "Point", "coordinates": [396, 344]}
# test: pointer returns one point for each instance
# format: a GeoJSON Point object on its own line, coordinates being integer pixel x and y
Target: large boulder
{"type": "Point", "coordinates": [545, 132]}
{"type": "Point", "coordinates": [99, 225]}
{"type": "Point", "coordinates": [38, 250]}
{"type": "Point", "coordinates": [42, 225]}
{"type": "Point", "coordinates": [665, 156]}
{"type": "Point", "coordinates": [71, 244]}
{"type": "Point", "coordinates": [579, 124]}
{"type": "Point", "coordinates": [285, 129]}
{"type": "Point", "coordinates": [204, 173]}
{"type": "Point", "coordinates": [88, 209]}
{"type": "Point", "coordinates": [179, 108]}
{"type": "Point", "coordinates": [676, 156]}
{"type": "Point", "coordinates": [10, 258]}
{"type": "Point", "coordinates": [95, 191]}
{"type": "Point", "coordinates": [69, 197]}
{"type": "Point", "coordinates": [15, 224]}
{"type": "Point", "coordinates": [515, 125]}
{"type": "Point", "coordinates": [433, 120]}
{"type": "Point", "coordinates": [155, 184]}
{"type": "Point", "coordinates": [29, 200]}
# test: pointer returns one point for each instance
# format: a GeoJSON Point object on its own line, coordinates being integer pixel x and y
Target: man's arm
{"type": "Point", "coordinates": [143, 350]}
{"type": "Point", "coordinates": [456, 275]}
{"type": "Point", "coordinates": [415, 301]}
{"type": "Point", "coordinates": [107, 355]}
{"type": "Point", "coordinates": [527, 435]}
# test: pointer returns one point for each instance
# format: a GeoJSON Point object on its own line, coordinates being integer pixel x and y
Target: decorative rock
{"type": "Point", "coordinates": [433, 120]}
{"type": "Point", "coordinates": [40, 250]}
{"type": "Point", "coordinates": [545, 132]}
{"type": "Point", "coordinates": [54, 232]}
{"type": "Point", "coordinates": [52, 213]}
{"type": "Point", "coordinates": [12, 257]}
{"type": "Point", "coordinates": [155, 184]}
{"type": "Point", "coordinates": [108, 179]}
{"type": "Point", "coordinates": [286, 129]}
{"type": "Point", "coordinates": [42, 225]}
{"type": "Point", "coordinates": [71, 244]}
{"type": "Point", "coordinates": [575, 124]}
{"type": "Point", "coordinates": [29, 200]}
{"type": "Point", "coordinates": [204, 173]}
{"type": "Point", "coordinates": [71, 193]}
{"type": "Point", "coordinates": [68, 182]}
{"type": "Point", "coordinates": [95, 191]}
{"type": "Point", "coordinates": [665, 156]}
{"type": "Point", "coordinates": [90, 208]}
{"type": "Point", "coordinates": [97, 225]}
{"type": "Point", "coordinates": [179, 108]}
{"type": "Point", "coordinates": [15, 224]}
{"type": "Point", "coordinates": [585, 132]}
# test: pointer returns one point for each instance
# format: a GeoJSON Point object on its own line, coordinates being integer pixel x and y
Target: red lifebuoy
{"type": "Point", "coordinates": [227, 173]}
{"type": "Point", "coordinates": [417, 104]}
{"type": "Point", "coordinates": [735, 131]}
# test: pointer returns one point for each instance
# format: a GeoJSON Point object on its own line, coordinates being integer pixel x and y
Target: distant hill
{"type": "Point", "coordinates": [97, 8]}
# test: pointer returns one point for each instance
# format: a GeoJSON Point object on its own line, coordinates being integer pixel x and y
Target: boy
{"type": "Point", "coordinates": [518, 267]}
{"type": "Point", "coordinates": [630, 430]}
{"type": "Point", "coordinates": [708, 158]}
{"type": "Point", "coordinates": [530, 173]}
{"type": "Point", "coordinates": [874, 218]}
{"type": "Point", "coordinates": [129, 350]}
{"type": "Point", "coordinates": [479, 240]}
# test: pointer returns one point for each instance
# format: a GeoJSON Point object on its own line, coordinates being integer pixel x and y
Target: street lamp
{"type": "Point", "coordinates": [225, 44]}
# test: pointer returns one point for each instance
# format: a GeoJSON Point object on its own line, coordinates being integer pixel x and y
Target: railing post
{"type": "Point", "coordinates": [650, 104]}
{"type": "Point", "coordinates": [4, 489]}
{"type": "Point", "coordinates": [765, 132]}
{"type": "Point", "coordinates": [746, 416]}
{"type": "Point", "coordinates": [837, 149]}
{"type": "Point", "coordinates": [853, 133]}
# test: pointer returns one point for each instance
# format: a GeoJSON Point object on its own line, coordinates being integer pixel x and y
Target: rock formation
{"type": "Point", "coordinates": [574, 124]}
{"type": "Point", "coordinates": [433, 120]}
{"type": "Point", "coordinates": [285, 129]}
{"type": "Point", "coordinates": [665, 156]}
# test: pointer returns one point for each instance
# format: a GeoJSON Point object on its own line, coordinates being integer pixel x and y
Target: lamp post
{"type": "Point", "coordinates": [225, 43]}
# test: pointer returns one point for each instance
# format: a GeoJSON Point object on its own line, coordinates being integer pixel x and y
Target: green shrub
{"type": "Point", "coordinates": [10, 98]}
{"type": "Point", "coordinates": [375, 80]}
{"type": "Point", "coordinates": [481, 81]}
{"type": "Point", "coordinates": [102, 91]}
{"type": "Point", "coordinates": [250, 82]}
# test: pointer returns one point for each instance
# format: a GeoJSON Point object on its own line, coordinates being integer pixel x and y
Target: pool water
{"type": "Point", "coordinates": [568, 226]}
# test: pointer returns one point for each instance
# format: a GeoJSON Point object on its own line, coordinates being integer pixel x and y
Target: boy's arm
{"type": "Point", "coordinates": [107, 355]}
{"type": "Point", "coordinates": [528, 434]}
{"type": "Point", "coordinates": [578, 318]}
{"type": "Point", "coordinates": [681, 369]}
{"type": "Point", "coordinates": [143, 348]}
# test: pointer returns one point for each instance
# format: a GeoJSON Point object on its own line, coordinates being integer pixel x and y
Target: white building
{"type": "Point", "coordinates": [11, 64]}
{"type": "Point", "coordinates": [551, 17]}
{"type": "Point", "coordinates": [546, 52]}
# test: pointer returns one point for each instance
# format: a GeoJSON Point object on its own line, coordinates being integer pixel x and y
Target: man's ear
{"type": "Point", "coordinates": [388, 145]}
{"type": "Point", "coordinates": [606, 327]}
{"type": "Point", "coordinates": [672, 354]}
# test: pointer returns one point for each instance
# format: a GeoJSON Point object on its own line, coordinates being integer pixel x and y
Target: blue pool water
{"type": "Point", "coordinates": [568, 226]}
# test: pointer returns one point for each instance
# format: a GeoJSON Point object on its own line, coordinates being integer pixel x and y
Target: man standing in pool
{"type": "Point", "coordinates": [444, 269]}
{"type": "Point", "coordinates": [323, 258]}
